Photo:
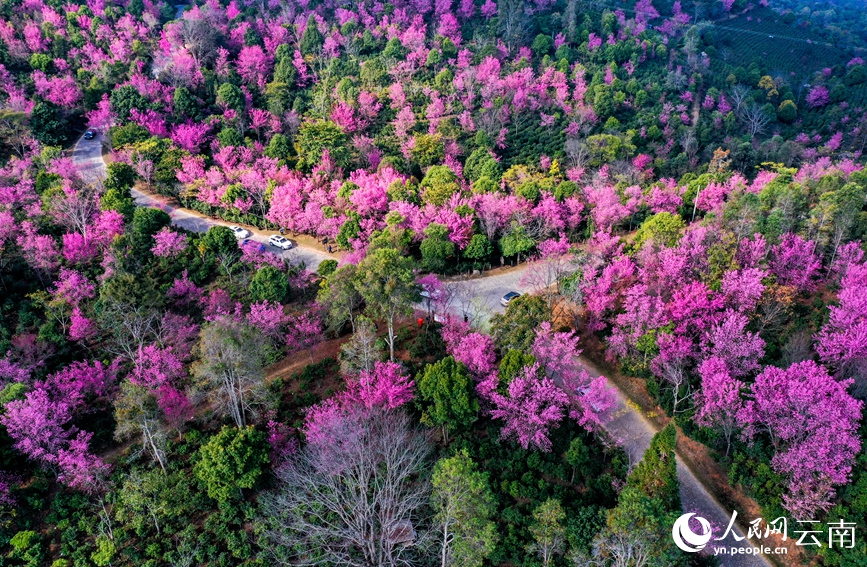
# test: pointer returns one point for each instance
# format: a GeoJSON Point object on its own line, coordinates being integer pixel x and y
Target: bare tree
{"type": "Point", "coordinates": [75, 209]}
{"type": "Point", "coordinates": [360, 352]}
{"type": "Point", "coordinates": [689, 143]}
{"type": "Point", "coordinates": [514, 22]}
{"type": "Point", "coordinates": [136, 411]}
{"type": "Point", "coordinates": [754, 118]}
{"type": "Point", "coordinates": [577, 152]}
{"type": "Point", "coordinates": [739, 95]}
{"type": "Point", "coordinates": [545, 274]}
{"type": "Point", "coordinates": [14, 131]}
{"type": "Point", "coordinates": [355, 498]}
{"type": "Point", "coordinates": [200, 38]}
{"type": "Point", "coordinates": [231, 367]}
{"type": "Point", "coordinates": [131, 326]}
{"type": "Point", "coordinates": [617, 548]}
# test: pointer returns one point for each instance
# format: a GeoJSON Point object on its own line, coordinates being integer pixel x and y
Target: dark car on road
{"type": "Point", "coordinates": [90, 134]}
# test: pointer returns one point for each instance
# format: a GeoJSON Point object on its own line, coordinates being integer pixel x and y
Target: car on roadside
{"type": "Point", "coordinates": [90, 134]}
{"type": "Point", "coordinates": [280, 242]}
{"type": "Point", "coordinates": [239, 232]}
{"type": "Point", "coordinates": [507, 299]}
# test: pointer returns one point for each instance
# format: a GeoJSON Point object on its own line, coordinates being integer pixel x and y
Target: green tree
{"type": "Point", "coordinates": [548, 531]}
{"type": "Point", "coordinates": [120, 176]}
{"type": "Point", "coordinates": [662, 228]}
{"type": "Point", "coordinates": [386, 283]}
{"type": "Point", "coordinates": [340, 297]}
{"type": "Point", "coordinates": [516, 241]}
{"type": "Point", "coordinates": [124, 99]}
{"type": "Point", "coordinates": [279, 147]}
{"type": "Point", "coordinates": [428, 150]}
{"type": "Point", "coordinates": [787, 112]}
{"type": "Point", "coordinates": [230, 96]}
{"type": "Point", "coordinates": [656, 475]}
{"type": "Point", "coordinates": [479, 248]}
{"type": "Point", "coordinates": [516, 328]}
{"type": "Point", "coordinates": [512, 364]}
{"type": "Point", "coordinates": [219, 239]}
{"type": "Point", "coordinates": [481, 163]}
{"type": "Point", "coordinates": [118, 200]}
{"type": "Point", "coordinates": [146, 222]}
{"type": "Point", "coordinates": [316, 136]}
{"type": "Point", "coordinates": [446, 391]}
{"type": "Point", "coordinates": [436, 248]}
{"type": "Point", "coordinates": [230, 461]}
{"type": "Point", "coordinates": [542, 45]}
{"type": "Point", "coordinates": [269, 284]}
{"type": "Point", "coordinates": [640, 524]}
{"type": "Point", "coordinates": [127, 135]}
{"type": "Point", "coordinates": [312, 40]}
{"type": "Point", "coordinates": [439, 184]}
{"type": "Point", "coordinates": [46, 124]}
{"type": "Point", "coordinates": [185, 105]}
{"type": "Point", "coordinates": [463, 505]}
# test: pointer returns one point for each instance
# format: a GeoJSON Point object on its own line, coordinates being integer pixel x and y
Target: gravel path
{"type": "Point", "coordinates": [479, 299]}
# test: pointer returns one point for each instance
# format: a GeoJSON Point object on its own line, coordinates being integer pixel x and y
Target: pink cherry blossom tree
{"type": "Point", "coordinates": [534, 405]}
{"type": "Point", "coordinates": [797, 408]}
{"type": "Point", "coordinates": [719, 401]}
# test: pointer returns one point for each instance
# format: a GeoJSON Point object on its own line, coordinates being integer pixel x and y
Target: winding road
{"type": "Point", "coordinates": [479, 298]}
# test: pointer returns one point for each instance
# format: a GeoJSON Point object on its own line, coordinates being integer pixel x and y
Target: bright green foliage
{"type": "Point", "coordinates": [119, 176]}
{"type": "Point", "coordinates": [463, 504]}
{"type": "Point", "coordinates": [439, 184]}
{"type": "Point", "coordinates": [279, 147]}
{"type": "Point", "coordinates": [231, 460]}
{"type": "Point", "coordinates": [516, 242]}
{"type": "Point", "coordinates": [104, 553]}
{"type": "Point", "coordinates": [548, 531]}
{"type": "Point", "coordinates": [479, 248]}
{"type": "Point", "coordinates": [446, 391]}
{"type": "Point", "coordinates": [662, 228]}
{"type": "Point", "coordinates": [386, 282]}
{"type": "Point", "coordinates": [315, 137]}
{"type": "Point", "coordinates": [516, 328]}
{"type": "Point", "coordinates": [127, 134]}
{"type": "Point", "coordinates": [326, 268]}
{"type": "Point", "coordinates": [229, 136]}
{"type": "Point", "coordinates": [230, 96]}
{"type": "Point", "coordinates": [118, 200]}
{"type": "Point", "coordinates": [428, 150]}
{"type": "Point", "coordinates": [436, 248]}
{"type": "Point", "coordinates": [481, 163]}
{"type": "Point", "coordinates": [27, 546]}
{"type": "Point", "coordinates": [512, 363]}
{"type": "Point", "coordinates": [219, 240]}
{"type": "Point", "coordinates": [269, 284]}
{"type": "Point", "coordinates": [656, 475]}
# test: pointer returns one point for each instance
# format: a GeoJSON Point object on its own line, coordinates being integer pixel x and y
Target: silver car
{"type": "Point", "coordinates": [507, 299]}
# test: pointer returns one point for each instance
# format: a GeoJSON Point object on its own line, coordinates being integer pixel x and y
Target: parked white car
{"type": "Point", "coordinates": [239, 232]}
{"type": "Point", "coordinates": [280, 242]}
